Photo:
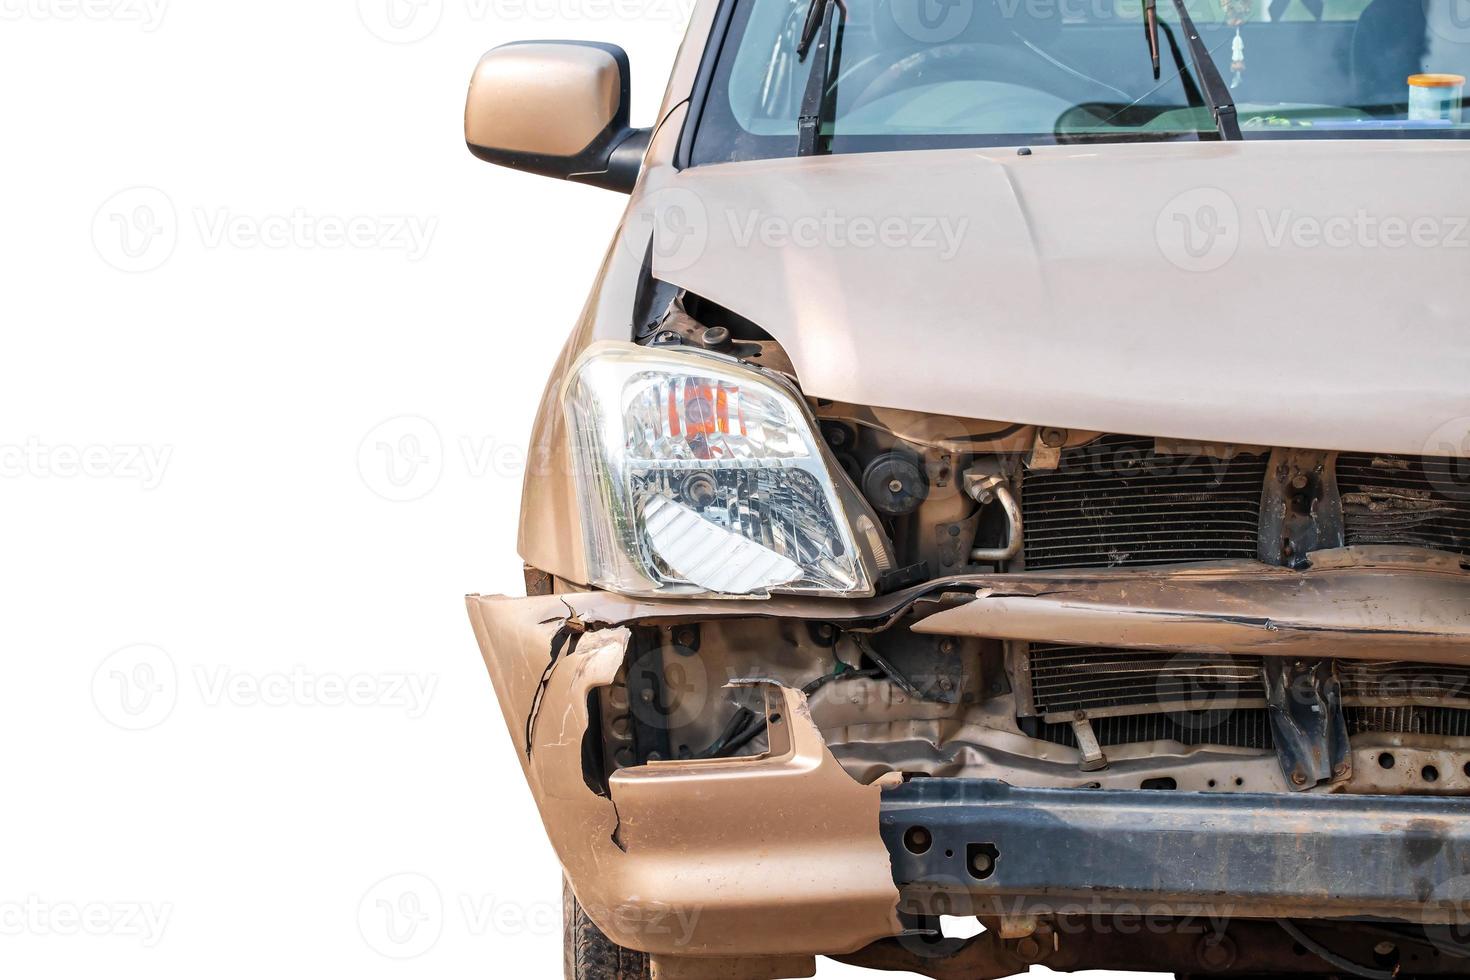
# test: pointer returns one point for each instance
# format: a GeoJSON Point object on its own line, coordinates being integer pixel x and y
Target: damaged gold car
{"type": "Point", "coordinates": [1006, 501]}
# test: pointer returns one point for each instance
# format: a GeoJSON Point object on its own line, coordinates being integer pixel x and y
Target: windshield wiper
{"type": "Point", "coordinates": [1151, 28]}
{"type": "Point", "coordinates": [821, 13]}
{"type": "Point", "coordinates": [1212, 84]}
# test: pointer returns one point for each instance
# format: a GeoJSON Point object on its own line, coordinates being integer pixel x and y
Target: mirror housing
{"type": "Point", "coordinates": [556, 108]}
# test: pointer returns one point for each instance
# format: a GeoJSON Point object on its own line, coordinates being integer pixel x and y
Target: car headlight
{"type": "Point", "coordinates": [697, 475]}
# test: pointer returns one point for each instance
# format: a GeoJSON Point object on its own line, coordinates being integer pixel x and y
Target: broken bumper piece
{"type": "Point", "coordinates": [774, 855]}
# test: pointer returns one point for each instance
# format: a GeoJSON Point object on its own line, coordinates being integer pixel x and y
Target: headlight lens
{"type": "Point", "coordinates": [697, 476]}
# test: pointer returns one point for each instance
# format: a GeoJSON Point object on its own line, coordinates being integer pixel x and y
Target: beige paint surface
{"type": "Point", "coordinates": [776, 854]}
{"type": "Point", "coordinates": [541, 98]}
{"type": "Point", "coordinates": [1072, 299]}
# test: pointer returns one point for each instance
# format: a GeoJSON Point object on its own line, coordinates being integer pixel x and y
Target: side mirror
{"type": "Point", "coordinates": [556, 108]}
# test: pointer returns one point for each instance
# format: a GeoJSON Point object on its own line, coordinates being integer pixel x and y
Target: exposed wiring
{"type": "Point", "coordinates": [1331, 958]}
{"type": "Point", "coordinates": [738, 721]}
{"type": "Point", "coordinates": [746, 737]}
{"type": "Point", "coordinates": [750, 725]}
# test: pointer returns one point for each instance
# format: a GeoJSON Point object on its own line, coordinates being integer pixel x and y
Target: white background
{"type": "Point", "coordinates": [272, 345]}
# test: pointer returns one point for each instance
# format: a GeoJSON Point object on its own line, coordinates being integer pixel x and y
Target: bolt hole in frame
{"type": "Point", "coordinates": [980, 859]}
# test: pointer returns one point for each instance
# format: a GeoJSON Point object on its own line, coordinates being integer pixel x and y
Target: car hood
{"type": "Point", "coordinates": [1310, 294]}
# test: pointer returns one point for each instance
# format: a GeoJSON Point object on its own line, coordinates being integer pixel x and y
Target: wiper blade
{"type": "Point", "coordinates": [1211, 82]}
{"type": "Point", "coordinates": [1151, 28]}
{"type": "Point", "coordinates": [821, 13]}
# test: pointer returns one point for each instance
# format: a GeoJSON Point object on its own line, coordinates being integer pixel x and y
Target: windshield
{"type": "Point", "coordinates": [912, 74]}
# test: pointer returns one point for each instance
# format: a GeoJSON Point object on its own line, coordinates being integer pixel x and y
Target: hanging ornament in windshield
{"type": "Point", "coordinates": [1238, 12]}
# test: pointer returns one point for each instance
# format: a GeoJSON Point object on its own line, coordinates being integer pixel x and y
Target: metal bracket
{"type": "Point", "coordinates": [1093, 757]}
{"type": "Point", "coordinates": [930, 668]}
{"type": "Point", "coordinates": [1046, 452]}
{"type": "Point", "coordinates": [1301, 509]}
{"type": "Point", "coordinates": [1304, 701]}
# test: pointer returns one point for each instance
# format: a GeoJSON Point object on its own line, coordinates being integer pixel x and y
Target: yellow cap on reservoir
{"type": "Point", "coordinates": [1436, 81]}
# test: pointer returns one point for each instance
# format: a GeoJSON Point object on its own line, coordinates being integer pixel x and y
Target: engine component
{"type": "Point", "coordinates": [895, 484]}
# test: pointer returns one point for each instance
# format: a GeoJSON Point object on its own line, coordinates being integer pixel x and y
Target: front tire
{"type": "Point", "coordinates": [588, 954]}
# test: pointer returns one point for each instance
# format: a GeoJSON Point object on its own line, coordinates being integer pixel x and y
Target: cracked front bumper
{"type": "Point", "coordinates": [785, 854]}
{"type": "Point", "coordinates": [764, 856]}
